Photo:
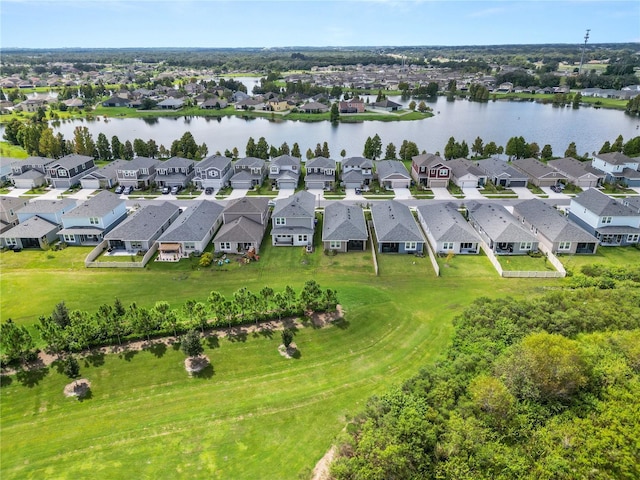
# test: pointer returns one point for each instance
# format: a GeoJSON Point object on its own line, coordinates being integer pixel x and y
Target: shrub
{"type": "Point", "coordinates": [70, 367]}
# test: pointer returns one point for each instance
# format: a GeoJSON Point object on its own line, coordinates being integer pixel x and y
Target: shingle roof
{"type": "Point", "coordinates": [446, 224]}
{"type": "Point", "coordinates": [214, 161]}
{"type": "Point", "coordinates": [461, 166]}
{"type": "Point", "coordinates": [394, 222]}
{"type": "Point", "coordinates": [138, 163]}
{"type": "Point", "coordinates": [251, 162]}
{"type": "Point", "coordinates": [321, 162]}
{"type": "Point", "coordinates": [551, 223]}
{"type": "Point", "coordinates": [241, 229]}
{"type": "Point", "coordinates": [343, 223]}
{"type": "Point", "coordinates": [70, 161]}
{"type": "Point", "coordinates": [143, 224]}
{"type": "Point", "coordinates": [177, 162]}
{"type": "Point", "coordinates": [386, 168]}
{"type": "Point", "coordinates": [574, 168]}
{"type": "Point", "coordinates": [301, 204]}
{"type": "Point", "coordinates": [96, 206]}
{"type": "Point", "coordinates": [496, 168]}
{"type": "Point", "coordinates": [247, 205]}
{"type": "Point", "coordinates": [536, 169]}
{"type": "Point", "coordinates": [107, 171]}
{"type": "Point", "coordinates": [34, 227]}
{"type": "Point", "coordinates": [427, 159]}
{"type": "Point", "coordinates": [357, 162]}
{"type": "Point", "coordinates": [194, 223]}
{"type": "Point", "coordinates": [38, 207]}
{"type": "Point", "coordinates": [283, 160]}
{"type": "Point", "coordinates": [602, 205]}
{"type": "Point", "coordinates": [615, 158]}
{"type": "Point", "coordinates": [499, 224]}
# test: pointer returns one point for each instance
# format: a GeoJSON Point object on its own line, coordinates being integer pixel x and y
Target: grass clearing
{"type": "Point", "coordinates": [608, 256]}
{"type": "Point", "coordinates": [524, 263]}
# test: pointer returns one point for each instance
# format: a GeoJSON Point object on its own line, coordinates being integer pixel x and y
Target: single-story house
{"type": "Point", "coordinates": [392, 174]}
{"type": "Point", "coordinates": [396, 228]}
{"type": "Point", "coordinates": [581, 174]}
{"type": "Point", "coordinates": [500, 230]}
{"type": "Point", "coordinates": [502, 174]}
{"type": "Point", "coordinates": [538, 173]}
{"type": "Point", "coordinates": [466, 174]}
{"type": "Point", "coordinates": [170, 104]}
{"type": "Point", "coordinates": [35, 232]}
{"type": "Point", "coordinates": [344, 228]}
{"type": "Point", "coordinates": [103, 177]}
{"type": "Point", "coordinates": [447, 230]}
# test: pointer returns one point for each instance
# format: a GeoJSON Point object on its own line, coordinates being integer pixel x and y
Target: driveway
{"type": "Point", "coordinates": [237, 193]}
{"type": "Point", "coordinates": [472, 193]}
{"type": "Point", "coordinates": [285, 193]}
{"type": "Point", "coordinates": [402, 194]}
{"type": "Point", "coordinates": [52, 194]}
{"type": "Point", "coordinates": [442, 193]}
{"type": "Point", "coordinates": [350, 194]}
{"type": "Point", "coordinates": [82, 194]}
{"type": "Point", "coordinates": [318, 193]}
{"type": "Point", "coordinates": [552, 194]}
{"type": "Point", "coordinates": [16, 192]}
{"type": "Point", "coordinates": [523, 193]}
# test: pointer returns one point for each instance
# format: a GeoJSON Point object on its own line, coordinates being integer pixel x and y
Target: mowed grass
{"type": "Point", "coordinates": [609, 256]}
{"type": "Point", "coordinates": [255, 414]}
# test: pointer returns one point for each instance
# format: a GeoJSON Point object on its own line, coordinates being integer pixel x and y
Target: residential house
{"type": "Point", "coordinates": [191, 232]}
{"type": "Point", "coordinates": [91, 219]}
{"type": "Point", "coordinates": [115, 101]}
{"type": "Point", "coordinates": [581, 174]}
{"type": "Point", "coordinates": [321, 173]}
{"type": "Point", "coordinates": [68, 170]}
{"type": "Point", "coordinates": [466, 174]}
{"type": "Point", "coordinates": [30, 172]}
{"type": "Point", "coordinates": [619, 168]}
{"type": "Point", "coordinates": [6, 167]}
{"type": "Point", "coordinates": [140, 230]}
{"type": "Point", "coordinates": [538, 173]}
{"type": "Point", "coordinates": [214, 103]}
{"type": "Point", "coordinates": [244, 223]}
{"type": "Point", "coordinates": [35, 232]}
{"type": "Point", "coordinates": [8, 208]}
{"type": "Point", "coordinates": [396, 228]}
{"type": "Point", "coordinates": [277, 105]}
{"type": "Point", "coordinates": [447, 230]}
{"type": "Point", "coordinates": [392, 174]}
{"type": "Point", "coordinates": [249, 172]}
{"type": "Point", "coordinates": [50, 210]}
{"type": "Point", "coordinates": [631, 202]}
{"type": "Point", "coordinates": [175, 172]}
{"type": "Point", "coordinates": [213, 172]}
{"type": "Point", "coordinates": [314, 107]}
{"type": "Point", "coordinates": [137, 173]}
{"type": "Point", "coordinates": [500, 230]}
{"type": "Point", "coordinates": [170, 104]}
{"type": "Point", "coordinates": [293, 220]}
{"type": "Point", "coordinates": [357, 172]}
{"type": "Point", "coordinates": [430, 170]}
{"type": "Point", "coordinates": [284, 171]}
{"type": "Point", "coordinates": [103, 177]}
{"type": "Point", "coordinates": [250, 104]}
{"type": "Point", "coordinates": [502, 174]}
{"type": "Point", "coordinates": [353, 105]}
{"type": "Point", "coordinates": [553, 229]}
{"type": "Point", "coordinates": [610, 221]}
{"type": "Point", "coordinates": [386, 105]}
{"type": "Point", "coordinates": [344, 228]}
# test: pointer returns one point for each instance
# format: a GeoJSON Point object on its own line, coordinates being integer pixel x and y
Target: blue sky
{"type": "Point", "coordinates": [240, 23]}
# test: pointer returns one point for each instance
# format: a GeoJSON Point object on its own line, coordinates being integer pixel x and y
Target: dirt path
{"type": "Point", "coordinates": [321, 470]}
{"type": "Point", "coordinates": [317, 320]}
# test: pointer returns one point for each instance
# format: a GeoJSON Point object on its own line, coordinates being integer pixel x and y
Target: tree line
{"type": "Point", "coordinates": [544, 387]}
{"type": "Point", "coordinates": [65, 331]}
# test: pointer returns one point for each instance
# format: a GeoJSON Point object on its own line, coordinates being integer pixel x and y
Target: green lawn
{"type": "Point", "coordinates": [609, 256]}
{"type": "Point", "coordinates": [524, 263]}
{"type": "Point", "coordinates": [12, 151]}
{"type": "Point", "coordinates": [255, 414]}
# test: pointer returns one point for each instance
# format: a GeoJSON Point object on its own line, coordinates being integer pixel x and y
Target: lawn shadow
{"type": "Point", "coordinates": [237, 335]}
{"type": "Point", "coordinates": [213, 341]}
{"type": "Point", "coordinates": [341, 323]}
{"type": "Point", "coordinates": [31, 378]}
{"type": "Point", "coordinates": [5, 381]}
{"type": "Point", "coordinates": [206, 372]}
{"type": "Point", "coordinates": [95, 359]}
{"type": "Point", "coordinates": [87, 396]}
{"type": "Point", "coordinates": [128, 355]}
{"type": "Point", "coordinates": [264, 331]}
{"type": "Point", "coordinates": [296, 355]}
{"type": "Point", "coordinates": [157, 349]}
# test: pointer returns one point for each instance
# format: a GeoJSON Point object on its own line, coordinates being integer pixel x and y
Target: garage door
{"type": "Point", "coordinates": [516, 183]}
{"type": "Point", "coordinates": [399, 184]}
{"type": "Point", "coordinates": [468, 184]}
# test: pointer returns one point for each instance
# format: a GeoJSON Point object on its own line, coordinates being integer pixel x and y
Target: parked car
{"type": "Point", "coordinates": [271, 203]}
{"type": "Point", "coordinates": [557, 188]}
{"type": "Point", "coordinates": [208, 191]}
{"type": "Point", "coordinates": [175, 189]}
{"type": "Point", "coordinates": [166, 190]}
{"type": "Point", "coordinates": [119, 189]}
{"type": "Point", "coordinates": [127, 190]}
{"type": "Point", "coordinates": [358, 191]}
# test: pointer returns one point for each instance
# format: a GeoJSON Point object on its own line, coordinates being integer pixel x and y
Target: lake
{"type": "Point", "coordinates": [496, 121]}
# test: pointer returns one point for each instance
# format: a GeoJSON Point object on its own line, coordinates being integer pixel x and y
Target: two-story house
{"type": "Point", "coordinates": [610, 221]}
{"type": "Point", "coordinates": [357, 172]}
{"type": "Point", "coordinates": [284, 172]}
{"type": "Point", "coordinates": [175, 172]}
{"type": "Point", "coordinates": [90, 220]}
{"type": "Point", "coordinates": [321, 173]}
{"type": "Point", "coordinates": [249, 172]}
{"type": "Point", "coordinates": [619, 168]}
{"type": "Point", "coordinates": [68, 170]}
{"type": "Point", "coordinates": [213, 172]}
{"type": "Point", "coordinates": [8, 208]}
{"type": "Point", "coordinates": [293, 220]}
{"type": "Point", "coordinates": [244, 223]}
{"type": "Point", "coordinates": [353, 105]}
{"type": "Point", "coordinates": [430, 170]}
{"type": "Point", "coordinates": [103, 177]}
{"type": "Point", "coordinates": [30, 172]}
{"type": "Point", "coordinates": [137, 173]}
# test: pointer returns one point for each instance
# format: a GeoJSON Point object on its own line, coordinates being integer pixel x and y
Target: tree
{"type": "Point", "coordinates": [29, 137]}
{"type": "Point", "coordinates": [373, 147]}
{"type": "Point", "coordinates": [422, 107]}
{"type": "Point", "coordinates": [516, 147]}
{"type": "Point", "coordinates": [152, 148]}
{"type": "Point", "coordinates": [606, 147]}
{"type": "Point", "coordinates": [325, 150]}
{"type": "Point", "coordinates": [310, 154]}
{"type": "Point", "coordinates": [49, 145]}
{"type": "Point", "coordinates": [490, 149]}
{"type": "Point", "coordinates": [463, 150]}
{"type": "Point", "coordinates": [71, 367]}
{"type": "Point", "coordinates": [60, 315]}
{"type": "Point", "coordinates": [191, 344]}
{"type": "Point", "coordinates": [408, 150]}
{"type": "Point", "coordinates": [295, 150]}
{"type": "Point", "coordinates": [11, 130]}
{"type": "Point", "coordinates": [390, 152]}
{"type": "Point", "coordinates": [273, 152]}
{"type": "Point", "coordinates": [262, 149]}
{"type": "Point", "coordinates": [280, 301]}
{"type": "Point", "coordinates": [117, 149]}
{"type": "Point", "coordinates": [412, 105]}
{"type": "Point", "coordinates": [571, 150]}
{"type": "Point", "coordinates": [632, 147]}
{"type": "Point", "coordinates": [284, 149]}
{"type": "Point", "coordinates": [140, 148]}
{"type": "Point", "coordinates": [432, 89]}
{"type": "Point", "coordinates": [241, 299]}
{"type": "Point", "coordinates": [477, 147]}
{"type": "Point", "coordinates": [343, 153]}
{"type": "Point", "coordinates": [311, 295]}
{"type": "Point", "coordinates": [103, 148]}
{"type": "Point", "coordinates": [15, 341]}
{"type": "Point", "coordinates": [250, 149]}
{"type": "Point", "coordinates": [53, 335]}
{"type": "Point", "coordinates": [577, 98]}
{"type": "Point", "coordinates": [335, 113]}
{"type": "Point", "coordinates": [533, 150]}
{"type": "Point", "coordinates": [83, 143]}
{"type": "Point", "coordinates": [265, 295]}
{"type": "Point", "coordinates": [143, 322]}
{"type": "Point", "coordinates": [618, 144]}
{"type": "Point", "coordinates": [547, 152]}
{"type": "Point", "coordinates": [200, 315]}
{"type": "Point", "coordinates": [318, 151]}
{"type": "Point", "coordinates": [287, 337]}
{"type": "Point", "coordinates": [82, 330]}
{"type": "Point", "coordinates": [127, 151]}
{"type": "Point", "coordinates": [451, 149]}
{"type": "Point", "coordinates": [165, 316]}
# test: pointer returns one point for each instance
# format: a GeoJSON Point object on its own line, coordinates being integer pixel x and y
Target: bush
{"type": "Point", "coordinates": [206, 259]}
{"type": "Point", "coordinates": [70, 367]}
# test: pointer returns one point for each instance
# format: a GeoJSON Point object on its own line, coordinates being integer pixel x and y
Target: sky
{"type": "Point", "coordinates": [315, 23]}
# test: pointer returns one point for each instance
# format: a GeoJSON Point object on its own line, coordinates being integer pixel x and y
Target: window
{"type": "Point", "coordinates": [225, 246]}
{"type": "Point", "coordinates": [564, 246]}
{"type": "Point", "coordinates": [606, 220]}
{"type": "Point", "coordinates": [525, 245]}
{"type": "Point", "coordinates": [136, 245]}
{"type": "Point", "coordinates": [61, 173]}
{"type": "Point", "coordinates": [467, 246]}
{"type": "Point", "coordinates": [444, 172]}
{"type": "Point", "coordinates": [69, 238]}
{"type": "Point", "coordinates": [633, 238]}
{"type": "Point", "coordinates": [448, 246]}
{"type": "Point", "coordinates": [334, 244]}
{"type": "Point", "coordinates": [189, 245]}
{"type": "Point", "coordinates": [11, 241]}
{"type": "Point", "coordinates": [280, 221]}
{"type": "Point", "coordinates": [294, 168]}
{"type": "Point", "coordinates": [410, 245]}
{"type": "Point", "coordinates": [94, 220]}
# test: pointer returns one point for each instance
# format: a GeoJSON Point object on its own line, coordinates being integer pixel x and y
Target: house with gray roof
{"type": "Point", "coordinates": [502, 174]}
{"type": "Point", "coordinates": [191, 232]}
{"type": "Point", "coordinates": [392, 174]}
{"type": "Point", "coordinates": [50, 210]}
{"type": "Point", "coordinates": [619, 168]}
{"type": "Point", "coordinates": [538, 173]}
{"type": "Point", "coordinates": [137, 173]}
{"type": "Point", "coordinates": [320, 173]}
{"type": "Point", "coordinates": [8, 209]}
{"type": "Point", "coordinates": [103, 177]}
{"type": "Point", "coordinates": [447, 230]}
{"type": "Point", "coordinates": [344, 228]}
{"type": "Point", "coordinates": [357, 172]}
{"type": "Point", "coordinates": [244, 223]}
{"type": "Point", "coordinates": [284, 172]}
{"type": "Point", "coordinates": [396, 229]}
{"type": "Point", "coordinates": [170, 104]}
{"type": "Point", "coordinates": [6, 167]}
{"type": "Point", "coordinates": [249, 172]}
{"type": "Point", "coordinates": [30, 172]}
{"type": "Point", "coordinates": [92, 218]}
{"type": "Point", "coordinates": [68, 170]}
{"type": "Point", "coordinates": [175, 172]}
{"type": "Point", "coordinates": [34, 232]}
{"type": "Point", "coordinates": [213, 172]}
{"type": "Point", "coordinates": [141, 229]}
{"type": "Point", "coordinates": [500, 230]}
{"type": "Point", "coordinates": [610, 221]}
{"type": "Point", "coordinates": [553, 229]}
{"type": "Point", "coordinates": [293, 220]}
{"type": "Point", "coordinates": [466, 174]}
{"type": "Point", "coordinates": [581, 174]}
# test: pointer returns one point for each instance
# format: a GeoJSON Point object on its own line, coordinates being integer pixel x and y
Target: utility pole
{"type": "Point", "coordinates": [586, 38]}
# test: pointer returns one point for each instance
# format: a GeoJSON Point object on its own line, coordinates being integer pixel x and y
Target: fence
{"type": "Point", "coordinates": [560, 273]}
{"type": "Point", "coordinates": [433, 259]}
{"type": "Point", "coordinates": [96, 252]}
{"type": "Point", "coordinates": [373, 248]}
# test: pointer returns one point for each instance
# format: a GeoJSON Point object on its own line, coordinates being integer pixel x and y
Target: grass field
{"type": "Point", "coordinates": [255, 414]}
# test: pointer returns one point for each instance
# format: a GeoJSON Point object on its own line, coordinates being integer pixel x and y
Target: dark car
{"type": "Point", "coordinates": [208, 191]}
{"type": "Point", "coordinates": [127, 190]}
{"type": "Point", "coordinates": [119, 189]}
